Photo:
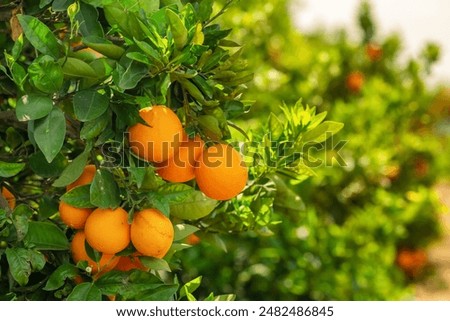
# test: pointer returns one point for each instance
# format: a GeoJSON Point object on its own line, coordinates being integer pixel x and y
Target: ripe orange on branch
{"type": "Point", "coordinates": [77, 247]}
{"type": "Point", "coordinates": [221, 173]}
{"type": "Point", "coordinates": [180, 168]}
{"type": "Point", "coordinates": [355, 81]}
{"type": "Point", "coordinates": [107, 230]}
{"type": "Point", "coordinates": [160, 138]}
{"type": "Point", "coordinates": [152, 233]}
{"type": "Point", "coordinates": [72, 216]}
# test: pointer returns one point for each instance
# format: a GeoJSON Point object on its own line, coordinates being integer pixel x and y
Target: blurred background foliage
{"type": "Point", "coordinates": [370, 213]}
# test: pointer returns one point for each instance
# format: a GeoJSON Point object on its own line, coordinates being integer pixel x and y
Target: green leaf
{"type": "Point", "coordinates": [175, 193]}
{"type": "Point", "coordinates": [104, 47]}
{"type": "Point", "coordinates": [22, 262]}
{"type": "Point", "coordinates": [95, 127]}
{"type": "Point", "coordinates": [155, 263]}
{"type": "Point", "coordinates": [162, 293]}
{"type": "Point", "coordinates": [128, 76]}
{"type": "Point", "coordinates": [39, 35]}
{"type": "Point", "coordinates": [33, 106]}
{"type": "Point", "coordinates": [20, 217]}
{"type": "Point", "coordinates": [104, 192]}
{"type": "Point", "coordinates": [74, 169]}
{"type": "Point", "coordinates": [129, 284]}
{"type": "Point", "coordinates": [41, 167]}
{"type": "Point", "coordinates": [139, 57]}
{"type": "Point", "coordinates": [17, 48]}
{"type": "Point", "coordinates": [205, 9]}
{"type": "Point", "coordinates": [61, 5]}
{"type": "Point", "coordinates": [50, 133]}
{"type": "Point", "coordinates": [276, 127]}
{"type": "Point", "coordinates": [78, 197]}
{"type": "Point", "coordinates": [45, 236]}
{"type": "Point", "coordinates": [194, 207]}
{"type": "Point", "coordinates": [48, 206]}
{"type": "Point", "coordinates": [73, 67]}
{"type": "Point", "coordinates": [322, 132]}
{"type": "Point", "coordinates": [87, 18]}
{"type": "Point", "coordinates": [149, 51]}
{"type": "Point", "coordinates": [124, 18]}
{"type": "Point", "coordinates": [190, 287]}
{"type": "Point", "coordinates": [46, 74]}
{"type": "Point", "coordinates": [10, 169]}
{"type": "Point", "coordinates": [58, 277]}
{"type": "Point", "coordinates": [179, 31]}
{"type": "Point", "coordinates": [183, 230]}
{"type": "Point", "coordinates": [89, 104]}
{"type": "Point", "coordinates": [85, 292]}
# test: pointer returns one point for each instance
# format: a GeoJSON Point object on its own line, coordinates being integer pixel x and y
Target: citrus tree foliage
{"type": "Point", "coordinates": [374, 200]}
{"type": "Point", "coordinates": [74, 76]}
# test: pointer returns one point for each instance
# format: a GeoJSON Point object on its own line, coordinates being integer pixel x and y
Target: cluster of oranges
{"type": "Point", "coordinates": [108, 232]}
{"type": "Point", "coordinates": [219, 170]}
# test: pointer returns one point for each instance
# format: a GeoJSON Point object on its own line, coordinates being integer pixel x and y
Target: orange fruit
{"type": "Point", "coordinates": [77, 247]}
{"type": "Point", "coordinates": [180, 168]}
{"type": "Point", "coordinates": [374, 52]}
{"type": "Point", "coordinates": [86, 177]}
{"type": "Point", "coordinates": [10, 198]}
{"type": "Point", "coordinates": [127, 263]}
{"type": "Point", "coordinates": [355, 81]}
{"type": "Point", "coordinates": [107, 230]}
{"type": "Point", "coordinates": [152, 233]}
{"type": "Point", "coordinates": [159, 139]}
{"type": "Point", "coordinates": [72, 216]}
{"type": "Point", "coordinates": [221, 173]}
{"type": "Point", "coordinates": [193, 239]}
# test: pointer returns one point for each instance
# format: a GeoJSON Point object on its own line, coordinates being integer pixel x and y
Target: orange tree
{"type": "Point", "coordinates": [116, 135]}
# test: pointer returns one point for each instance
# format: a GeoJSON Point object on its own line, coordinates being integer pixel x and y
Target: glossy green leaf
{"type": "Point", "coordinates": [104, 192]}
{"type": "Point", "coordinates": [104, 47]}
{"type": "Point", "coordinates": [73, 67]}
{"type": "Point", "coordinates": [129, 284]}
{"type": "Point", "coordinates": [322, 132]}
{"type": "Point", "coordinates": [89, 104]}
{"type": "Point", "coordinates": [155, 263]}
{"type": "Point", "coordinates": [10, 169]}
{"type": "Point", "coordinates": [45, 236]}
{"type": "Point", "coordinates": [85, 292]}
{"type": "Point", "coordinates": [33, 106]}
{"type": "Point", "coordinates": [190, 287]}
{"type": "Point", "coordinates": [95, 127]}
{"type": "Point", "coordinates": [39, 35]}
{"type": "Point", "coordinates": [87, 18]}
{"type": "Point", "coordinates": [20, 218]}
{"type": "Point", "coordinates": [128, 76]}
{"type": "Point", "coordinates": [179, 31]}
{"type": "Point", "coordinates": [164, 292]}
{"type": "Point", "coordinates": [196, 206]}
{"type": "Point", "coordinates": [183, 230]}
{"type": "Point", "coordinates": [46, 74]}
{"type": "Point", "coordinates": [78, 197]}
{"type": "Point", "coordinates": [58, 277]}
{"type": "Point", "coordinates": [22, 262]}
{"type": "Point", "coordinates": [74, 169]}
{"type": "Point", "coordinates": [50, 132]}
